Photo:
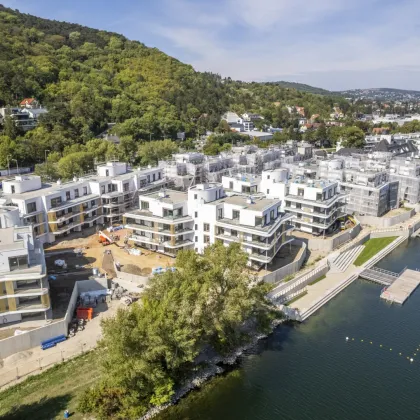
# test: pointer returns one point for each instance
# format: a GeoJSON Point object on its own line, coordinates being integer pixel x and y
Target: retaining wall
{"type": "Point", "coordinates": [329, 244]}
{"type": "Point", "coordinates": [288, 269]}
{"type": "Point", "coordinates": [33, 338]}
{"type": "Point", "coordinates": [134, 279]}
{"type": "Point", "coordinates": [384, 222]}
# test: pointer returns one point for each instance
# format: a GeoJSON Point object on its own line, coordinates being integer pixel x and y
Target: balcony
{"type": "Point", "coordinates": [62, 229]}
{"type": "Point", "coordinates": [266, 230]}
{"type": "Point", "coordinates": [145, 239]}
{"type": "Point", "coordinates": [32, 307]}
{"type": "Point", "coordinates": [71, 203]}
{"type": "Point", "coordinates": [315, 203]}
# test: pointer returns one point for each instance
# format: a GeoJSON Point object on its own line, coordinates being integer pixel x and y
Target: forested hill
{"type": "Point", "coordinates": [302, 87]}
{"type": "Point", "coordinates": [88, 77]}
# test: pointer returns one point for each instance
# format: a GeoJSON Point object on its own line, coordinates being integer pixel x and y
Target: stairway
{"type": "Point", "coordinates": [342, 262]}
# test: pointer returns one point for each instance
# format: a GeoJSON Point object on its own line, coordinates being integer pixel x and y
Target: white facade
{"type": "Point", "coordinates": [24, 290]}
{"type": "Point", "coordinates": [315, 205]}
{"type": "Point", "coordinates": [54, 210]}
{"type": "Point", "coordinates": [206, 214]}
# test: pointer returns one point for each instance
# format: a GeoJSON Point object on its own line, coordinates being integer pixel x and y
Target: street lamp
{"type": "Point", "coordinates": [8, 165]}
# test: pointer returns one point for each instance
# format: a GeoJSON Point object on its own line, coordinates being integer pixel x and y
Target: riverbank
{"type": "Point", "coordinates": [309, 371]}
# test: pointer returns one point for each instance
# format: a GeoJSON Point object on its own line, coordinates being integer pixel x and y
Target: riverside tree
{"type": "Point", "coordinates": [150, 349]}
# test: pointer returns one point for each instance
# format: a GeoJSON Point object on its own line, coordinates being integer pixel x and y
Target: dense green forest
{"type": "Point", "coordinates": [88, 78]}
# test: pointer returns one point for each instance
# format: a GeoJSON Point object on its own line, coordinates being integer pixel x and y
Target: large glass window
{"type": "Point", "coordinates": [31, 207]}
{"type": "Point", "coordinates": [18, 263]}
{"type": "Point", "coordinates": [144, 205]}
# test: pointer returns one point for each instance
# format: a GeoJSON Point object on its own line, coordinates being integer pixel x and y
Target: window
{"type": "Point", "coordinates": [195, 214]}
{"type": "Point", "coordinates": [106, 172]}
{"type": "Point", "coordinates": [268, 176]}
{"type": "Point", "coordinates": [93, 203]}
{"type": "Point", "coordinates": [76, 193]}
{"type": "Point", "coordinates": [55, 202]}
{"type": "Point", "coordinates": [18, 263]}
{"type": "Point", "coordinates": [109, 187]}
{"type": "Point", "coordinates": [234, 233]}
{"type": "Point", "coordinates": [268, 191]}
{"type": "Point", "coordinates": [206, 239]}
{"type": "Point", "coordinates": [103, 189]}
{"type": "Point", "coordinates": [272, 214]}
{"type": "Point", "coordinates": [159, 175]}
{"type": "Point", "coordinates": [219, 214]}
{"type": "Point", "coordinates": [125, 186]}
{"type": "Point", "coordinates": [154, 177]}
{"type": "Point", "coordinates": [84, 190]}
{"type": "Point", "coordinates": [231, 185]}
{"type": "Point", "coordinates": [13, 189]}
{"type": "Point", "coordinates": [31, 207]}
{"type": "Point", "coordinates": [144, 205]}
{"type": "Point", "coordinates": [258, 221]}
{"type": "Point", "coordinates": [196, 239]}
{"type": "Point", "coordinates": [148, 178]}
{"type": "Point", "coordinates": [195, 196]}
{"type": "Point", "coordinates": [206, 227]}
{"type": "Point", "coordinates": [301, 192]}
{"type": "Point", "coordinates": [67, 195]}
{"type": "Point", "coordinates": [195, 227]}
{"type": "Point", "coordinates": [235, 214]}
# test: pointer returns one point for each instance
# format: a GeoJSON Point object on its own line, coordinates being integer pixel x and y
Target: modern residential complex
{"type": "Point", "coordinates": [169, 220]}
{"type": "Point", "coordinates": [24, 290]}
{"type": "Point", "coordinates": [55, 210]}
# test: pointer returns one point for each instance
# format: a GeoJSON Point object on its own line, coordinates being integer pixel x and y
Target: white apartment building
{"type": "Point", "coordinates": [55, 210]}
{"type": "Point", "coordinates": [257, 223]}
{"type": "Point", "coordinates": [315, 204]}
{"type": "Point", "coordinates": [24, 289]}
{"type": "Point", "coordinates": [241, 184]}
{"type": "Point", "coordinates": [171, 220]}
{"type": "Point", "coordinates": [162, 222]}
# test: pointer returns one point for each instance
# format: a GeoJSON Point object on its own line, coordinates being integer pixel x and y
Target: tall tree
{"type": "Point", "coordinates": [148, 350]}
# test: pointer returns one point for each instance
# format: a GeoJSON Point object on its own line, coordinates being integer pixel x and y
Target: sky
{"type": "Point", "coordinates": [333, 44]}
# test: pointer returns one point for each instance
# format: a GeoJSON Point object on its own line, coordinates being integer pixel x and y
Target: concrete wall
{"type": "Point", "coordinates": [131, 278]}
{"type": "Point", "coordinates": [384, 222]}
{"type": "Point", "coordinates": [289, 269]}
{"type": "Point", "coordinates": [34, 337]}
{"type": "Point", "coordinates": [92, 285]}
{"type": "Point", "coordinates": [329, 244]}
{"type": "Point", "coordinates": [31, 338]}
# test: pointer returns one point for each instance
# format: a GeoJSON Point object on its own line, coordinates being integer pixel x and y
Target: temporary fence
{"type": "Point", "coordinates": [12, 375]}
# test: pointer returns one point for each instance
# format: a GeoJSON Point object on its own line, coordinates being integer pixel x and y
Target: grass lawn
{"type": "Point", "coordinates": [296, 298]}
{"type": "Point", "coordinates": [317, 280]}
{"type": "Point", "coordinates": [47, 395]}
{"type": "Point", "coordinates": [372, 247]}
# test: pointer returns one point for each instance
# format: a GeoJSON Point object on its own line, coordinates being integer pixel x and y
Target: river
{"type": "Point", "coordinates": [310, 372]}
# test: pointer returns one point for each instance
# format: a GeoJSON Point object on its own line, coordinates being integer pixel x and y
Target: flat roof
{"type": "Point", "coordinates": [258, 204]}
{"type": "Point", "coordinates": [171, 196]}
{"type": "Point", "coordinates": [312, 183]}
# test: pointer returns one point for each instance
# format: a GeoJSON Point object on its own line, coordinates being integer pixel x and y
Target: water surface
{"type": "Point", "coordinates": [309, 371]}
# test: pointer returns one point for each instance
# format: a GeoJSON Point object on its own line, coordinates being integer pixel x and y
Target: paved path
{"type": "Point", "coordinates": [320, 289]}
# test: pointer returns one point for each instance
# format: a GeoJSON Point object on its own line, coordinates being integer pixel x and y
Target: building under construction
{"type": "Point", "coordinates": [407, 172]}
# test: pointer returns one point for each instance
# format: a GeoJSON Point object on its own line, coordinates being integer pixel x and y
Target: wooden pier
{"type": "Point", "coordinates": [401, 289]}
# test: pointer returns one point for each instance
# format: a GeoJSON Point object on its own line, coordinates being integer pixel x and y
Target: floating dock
{"type": "Point", "coordinates": [401, 289]}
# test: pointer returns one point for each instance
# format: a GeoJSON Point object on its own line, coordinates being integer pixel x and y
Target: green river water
{"type": "Point", "coordinates": [310, 372]}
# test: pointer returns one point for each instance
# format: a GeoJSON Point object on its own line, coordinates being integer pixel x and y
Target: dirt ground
{"type": "Point", "coordinates": [93, 255]}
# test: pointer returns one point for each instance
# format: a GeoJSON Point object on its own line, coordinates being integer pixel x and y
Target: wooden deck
{"type": "Point", "coordinates": [401, 289]}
